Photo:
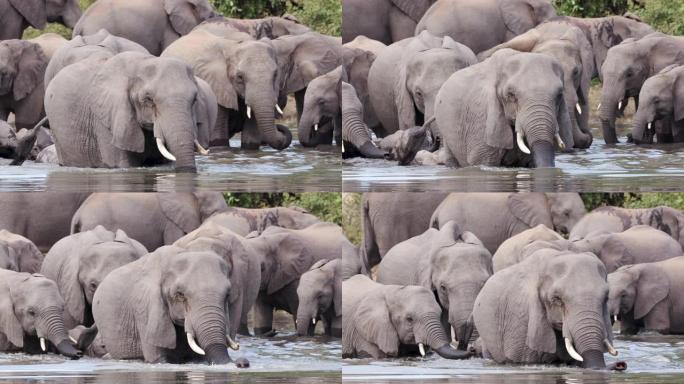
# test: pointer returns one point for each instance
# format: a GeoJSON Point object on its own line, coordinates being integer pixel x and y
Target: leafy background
{"type": "Point", "coordinates": [327, 206]}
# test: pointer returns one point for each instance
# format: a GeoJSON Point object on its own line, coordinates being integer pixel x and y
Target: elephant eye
{"type": "Point", "coordinates": [321, 101]}
{"type": "Point", "coordinates": [179, 296]}
{"type": "Point", "coordinates": [442, 288]}
{"type": "Point", "coordinates": [93, 286]}
{"type": "Point", "coordinates": [31, 312]}
{"type": "Point", "coordinates": [556, 300]}
{"type": "Point", "coordinates": [409, 319]}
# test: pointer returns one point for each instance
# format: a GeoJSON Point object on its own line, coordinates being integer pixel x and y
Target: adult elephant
{"type": "Point", "coordinates": [512, 251]}
{"type": "Point", "coordinates": [320, 298]}
{"type": "Point", "coordinates": [379, 319]}
{"type": "Point", "coordinates": [495, 217]}
{"type": "Point", "coordinates": [661, 102]}
{"type": "Point", "coordinates": [167, 218]}
{"type": "Point", "coordinates": [549, 308]}
{"type": "Point", "coordinates": [268, 27]}
{"type": "Point", "coordinates": [454, 268]}
{"type": "Point", "coordinates": [18, 253]}
{"type": "Point", "coordinates": [243, 221]}
{"type": "Point", "coordinates": [154, 24]}
{"type": "Point", "coordinates": [387, 21]}
{"type": "Point", "coordinates": [627, 67]}
{"type": "Point", "coordinates": [129, 114]}
{"type": "Point", "coordinates": [359, 55]}
{"type": "Point", "coordinates": [17, 15]}
{"type": "Point", "coordinates": [497, 110]}
{"type": "Point", "coordinates": [482, 24]}
{"type": "Point", "coordinates": [80, 262]}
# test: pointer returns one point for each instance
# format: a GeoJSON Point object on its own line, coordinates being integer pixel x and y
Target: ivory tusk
{"type": "Point", "coordinates": [421, 348]}
{"type": "Point", "coordinates": [200, 148]}
{"type": "Point", "coordinates": [73, 340]}
{"type": "Point", "coordinates": [232, 344]}
{"type": "Point", "coordinates": [249, 112]}
{"type": "Point", "coordinates": [560, 142]}
{"type": "Point", "coordinates": [579, 109]}
{"type": "Point", "coordinates": [571, 350]}
{"type": "Point", "coordinates": [599, 107]}
{"type": "Point", "coordinates": [521, 143]}
{"type": "Point", "coordinates": [165, 152]}
{"type": "Point", "coordinates": [650, 125]}
{"type": "Point", "coordinates": [316, 127]}
{"type": "Point", "coordinates": [42, 344]}
{"type": "Point", "coordinates": [453, 335]}
{"type": "Point", "coordinates": [620, 105]}
{"type": "Point", "coordinates": [313, 321]}
{"type": "Point", "coordinates": [610, 348]}
{"type": "Point", "coordinates": [342, 146]}
{"type": "Point", "coordinates": [193, 345]}
{"type": "Point", "coordinates": [615, 318]}
{"type": "Point", "coordinates": [278, 109]}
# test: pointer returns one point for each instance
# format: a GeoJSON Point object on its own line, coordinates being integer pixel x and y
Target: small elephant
{"type": "Point", "coordinates": [661, 100]}
{"type": "Point", "coordinates": [551, 307]}
{"type": "Point", "coordinates": [48, 155]}
{"type": "Point", "coordinates": [31, 315]}
{"type": "Point", "coordinates": [403, 145]}
{"type": "Point", "coordinates": [16, 145]}
{"type": "Point", "coordinates": [510, 252]}
{"type": "Point", "coordinates": [357, 138]}
{"type": "Point", "coordinates": [648, 296]}
{"type": "Point", "coordinates": [320, 298]}
{"type": "Point", "coordinates": [385, 320]}
{"type": "Point", "coordinates": [322, 100]}
{"type": "Point", "coordinates": [452, 264]}
{"type": "Point", "coordinates": [18, 253]}
{"type": "Point", "coordinates": [17, 15]}
{"type": "Point", "coordinates": [387, 21]}
{"type": "Point", "coordinates": [244, 221]}
{"type": "Point", "coordinates": [268, 27]}
{"type": "Point", "coordinates": [80, 262]}
{"type": "Point", "coordinates": [508, 110]}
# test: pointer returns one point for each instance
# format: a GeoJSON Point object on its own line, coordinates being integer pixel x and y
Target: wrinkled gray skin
{"type": "Point", "coordinates": [615, 219]}
{"type": "Point", "coordinates": [508, 213]}
{"type": "Point", "coordinates": [48, 155]}
{"type": "Point", "coordinates": [510, 252]}
{"type": "Point", "coordinates": [390, 218]}
{"type": "Point", "coordinates": [387, 21]}
{"type": "Point", "coordinates": [627, 67]}
{"type": "Point", "coordinates": [18, 15]}
{"type": "Point", "coordinates": [79, 263]}
{"type": "Point", "coordinates": [154, 24]}
{"type": "Point", "coordinates": [661, 107]}
{"type": "Point", "coordinates": [161, 297]}
{"type": "Point", "coordinates": [454, 268]}
{"type": "Point", "coordinates": [18, 253]}
{"type": "Point", "coordinates": [244, 221]}
{"type": "Point", "coordinates": [352, 264]}
{"type": "Point", "coordinates": [391, 320]}
{"type": "Point", "coordinates": [359, 55]}
{"type": "Point", "coordinates": [648, 297]}
{"type": "Point", "coordinates": [525, 311]}
{"type": "Point", "coordinates": [357, 138]}
{"type": "Point", "coordinates": [268, 28]}
{"type": "Point", "coordinates": [31, 308]}
{"type": "Point", "coordinates": [16, 146]}
{"type": "Point", "coordinates": [570, 47]}
{"type": "Point", "coordinates": [320, 298]}
{"type": "Point", "coordinates": [403, 145]}
{"type": "Point", "coordinates": [487, 106]}
{"type": "Point", "coordinates": [482, 24]}
{"type": "Point", "coordinates": [168, 216]}
{"type": "Point", "coordinates": [321, 101]}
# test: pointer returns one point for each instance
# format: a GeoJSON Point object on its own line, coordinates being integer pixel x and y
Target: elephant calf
{"type": "Point", "coordinates": [511, 251]}
{"type": "Point", "coordinates": [18, 253]}
{"type": "Point", "coordinates": [243, 221]}
{"type": "Point", "coordinates": [320, 298]}
{"type": "Point", "coordinates": [661, 107]}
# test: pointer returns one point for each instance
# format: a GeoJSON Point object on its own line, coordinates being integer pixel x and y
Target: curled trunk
{"type": "Point", "coordinates": [429, 331]}
{"type": "Point", "coordinates": [582, 140]}
{"type": "Point", "coordinates": [264, 114]}
{"type": "Point", "coordinates": [51, 326]}
{"type": "Point", "coordinates": [538, 124]}
{"type": "Point", "coordinates": [354, 129]}
{"type": "Point", "coordinates": [640, 132]}
{"type": "Point", "coordinates": [586, 332]}
{"type": "Point", "coordinates": [208, 325]}
{"type": "Point", "coordinates": [612, 94]}
{"type": "Point", "coordinates": [175, 128]}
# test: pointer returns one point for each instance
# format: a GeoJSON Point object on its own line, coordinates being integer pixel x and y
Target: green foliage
{"type": "Point", "coordinates": [324, 205]}
{"type": "Point", "coordinates": [667, 16]}
{"type": "Point", "coordinates": [633, 200]}
{"type": "Point", "coordinates": [59, 29]}
{"type": "Point", "coordinates": [595, 200]}
{"type": "Point", "coordinates": [591, 8]}
{"type": "Point", "coordinates": [324, 16]}
{"type": "Point", "coordinates": [249, 9]}
{"type": "Point", "coordinates": [352, 218]}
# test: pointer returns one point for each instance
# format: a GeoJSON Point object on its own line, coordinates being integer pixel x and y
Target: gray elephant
{"type": "Point", "coordinates": [550, 307]}
{"type": "Point", "coordinates": [495, 217]}
{"type": "Point", "coordinates": [129, 117]}
{"type": "Point", "coordinates": [16, 145]}
{"type": "Point", "coordinates": [352, 263]}
{"type": "Point", "coordinates": [383, 320]}
{"type": "Point", "coordinates": [154, 24]}
{"type": "Point", "coordinates": [387, 21]}
{"type": "Point", "coordinates": [322, 101]}
{"type": "Point", "coordinates": [647, 296]}
{"type": "Point", "coordinates": [31, 315]}
{"type": "Point", "coordinates": [357, 138]}
{"type": "Point", "coordinates": [173, 306]}
{"type": "Point", "coordinates": [167, 218]}
{"type": "Point", "coordinates": [268, 27]}
{"type": "Point", "coordinates": [21, 14]}
{"type": "Point", "coordinates": [482, 24]}
{"type": "Point", "coordinates": [504, 106]}
{"type": "Point", "coordinates": [510, 252]}
{"type": "Point", "coordinates": [452, 264]}
{"type": "Point", "coordinates": [80, 262]}
{"type": "Point", "coordinates": [320, 298]}
{"type": "Point", "coordinates": [661, 99]}
{"type": "Point", "coordinates": [18, 253]}
{"type": "Point", "coordinates": [359, 55]}
{"type": "Point", "coordinates": [625, 70]}
{"type": "Point", "coordinates": [244, 221]}
{"type": "Point", "coordinates": [48, 155]}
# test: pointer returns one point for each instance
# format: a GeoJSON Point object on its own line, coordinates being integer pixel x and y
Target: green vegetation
{"type": "Point", "coordinates": [352, 220]}
{"type": "Point", "coordinates": [633, 200]}
{"type": "Point", "coordinates": [326, 206]}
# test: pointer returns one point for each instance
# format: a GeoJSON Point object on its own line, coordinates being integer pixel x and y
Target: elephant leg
{"type": "Point", "coordinates": [263, 317]}
{"type": "Point", "coordinates": [299, 101]}
{"type": "Point", "coordinates": [219, 135]}
{"type": "Point", "coordinates": [664, 131]}
{"type": "Point", "coordinates": [251, 137]}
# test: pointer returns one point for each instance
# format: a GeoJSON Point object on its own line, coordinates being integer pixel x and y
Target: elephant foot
{"type": "Point", "coordinates": [242, 363]}
{"type": "Point", "coordinates": [264, 331]}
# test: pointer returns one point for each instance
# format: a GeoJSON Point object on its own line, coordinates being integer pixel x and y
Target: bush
{"type": "Point", "coordinates": [591, 8]}
{"type": "Point", "coordinates": [633, 200]}
{"type": "Point", "coordinates": [352, 218]}
{"type": "Point", "coordinates": [667, 16]}
{"type": "Point", "coordinates": [326, 206]}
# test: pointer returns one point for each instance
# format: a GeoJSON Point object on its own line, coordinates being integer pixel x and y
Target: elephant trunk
{"type": "Point", "coordinates": [582, 140]}
{"type": "Point", "coordinates": [431, 332]}
{"type": "Point", "coordinates": [537, 125]}
{"type": "Point", "coordinates": [208, 327]}
{"type": "Point", "coordinates": [461, 305]}
{"type": "Point", "coordinates": [642, 127]}
{"type": "Point", "coordinates": [263, 107]}
{"type": "Point", "coordinates": [174, 133]}
{"type": "Point", "coordinates": [354, 129]}
{"type": "Point", "coordinates": [612, 95]}
{"type": "Point", "coordinates": [586, 333]}
{"type": "Point", "coordinates": [51, 325]}
{"type": "Point", "coordinates": [307, 129]}
{"type": "Point", "coordinates": [306, 315]}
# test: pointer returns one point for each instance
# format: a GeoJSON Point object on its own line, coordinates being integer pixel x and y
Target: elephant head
{"type": "Point", "coordinates": [403, 145]}
{"type": "Point", "coordinates": [566, 209]}
{"type": "Point", "coordinates": [39, 12]}
{"type": "Point", "coordinates": [184, 15]}
{"type": "Point", "coordinates": [661, 97]}
{"type": "Point", "coordinates": [321, 100]}
{"type": "Point", "coordinates": [319, 291]}
{"type": "Point", "coordinates": [22, 67]}
{"type": "Point", "coordinates": [285, 258]}
{"type": "Point", "coordinates": [523, 15]}
{"type": "Point", "coordinates": [17, 145]}
{"type": "Point", "coordinates": [31, 311]}
{"type": "Point", "coordinates": [18, 253]}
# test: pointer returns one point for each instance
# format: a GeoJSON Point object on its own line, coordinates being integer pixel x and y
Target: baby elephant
{"type": "Point", "coordinates": [648, 296]}
{"type": "Point", "coordinates": [320, 297]}
{"type": "Point", "coordinates": [389, 320]}
{"type": "Point", "coordinates": [18, 253]}
{"type": "Point", "coordinates": [661, 108]}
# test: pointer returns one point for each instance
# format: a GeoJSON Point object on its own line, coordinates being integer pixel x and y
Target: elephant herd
{"type": "Point", "coordinates": [516, 278]}
{"type": "Point", "coordinates": [499, 82]}
{"type": "Point", "coordinates": [143, 83]}
{"type": "Point", "coordinates": [88, 274]}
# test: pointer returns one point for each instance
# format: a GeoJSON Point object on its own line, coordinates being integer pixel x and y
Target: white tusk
{"type": "Point", "coordinates": [453, 335]}
{"type": "Point", "coordinates": [165, 152]}
{"type": "Point", "coordinates": [421, 348]}
{"type": "Point", "coordinates": [313, 321]}
{"type": "Point", "coordinates": [249, 112]}
{"type": "Point", "coordinates": [615, 318]}
{"type": "Point", "coordinates": [73, 340]}
{"type": "Point", "coordinates": [342, 146]}
{"type": "Point", "coordinates": [521, 143]}
{"type": "Point", "coordinates": [42, 344]}
{"type": "Point", "coordinates": [561, 144]}
{"type": "Point", "coordinates": [571, 350]}
{"type": "Point", "coordinates": [193, 345]}
{"type": "Point", "coordinates": [650, 125]}
{"type": "Point", "coordinates": [579, 109]}
{"type": "Point", "coordinates": [610, 348]}
{"type": "Point", "coordinates": [599, 107]}
{"type": "Point", "coordinates": [620, 105]}
{"type": "Point", "coordinates": [278, 109]}
{"type": "Point", "coordinates": [316, 127]}
{"type": "Point", "coordinates": [200, 148]}
{"type": "Point", "coordinates": [232, 344]}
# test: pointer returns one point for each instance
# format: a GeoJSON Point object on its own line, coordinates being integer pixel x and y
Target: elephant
{"type": "Point", "coordinates": [503, 102]}
{"type": "Point", "coordinates": [406, 76]}
{"type": "Point", "coordinates": [43, 218]}
{"type": "Point", "coordinates": [154, 24]}
{"type": "Point", "coordinates": [495, 217]}
{"type": "Point", "coordinates": [134, 105]}
{"type": "Point", "coordinates": [352, 264]}
{"type": "Point", "coordinates": [18, 253]}
{"type": "Point", "coordinates": [16, 145]}
{"type": "Point", "coordinates": [168, 306]}
{"type": "Point", "coordinates": [482, 24]}
{"type": "Point", "coordinates": [48, 155]}
{"type": "Point", "coordinates": [320, 298]}
{"type": "Point", "coordinates": [31, 314]}
{"type": "Point", "coordinates": [570, 47]}
{"type": "Point", "coordinates": [266, 28]}
{"type": "Point", "coordinates": [647, 296]}
{"type": "Point", "coordinates": [660, 100]}
{"type": "Point", "coordinates": [627, 67]}
{"type": "Point", "coordinates": [387, 21]}
{"type": "Point", "coordinates": [167, 218]}
{"type": "Point", "coordinates": [21, 14]}
{"type": "Point", "coordinates": [80, 262]}
{"type": "Point", "coordinates": [551, 307]}
{"type": "Point", "coordinates": [390, 218]}
{"type": "Point", "coordinates": [615, 219]}
{"type": "Point", "coordinates": [454, 269]}
{"type": "Point", "coordinates": [404, 145]}
{"type": "Point", "coordinates": [322, 100]}
{"type": "Point", "coordinates": [357, 138]}
{"type": "Point", "coordinates": [359, 55]}
{"type": "Point", "coordinates": [388, 320]}
{"type": "Point", "coordinates": [510, 252]}
{"type": "Point", "coordinates": [243, 221]}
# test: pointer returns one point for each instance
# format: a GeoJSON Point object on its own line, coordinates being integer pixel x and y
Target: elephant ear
{"type": "Point", "coordinates": [292, 260]}
{"type": "Point", "coordinates": [540, 334]}
{"type": "Point", "coordinates": [530, 208]}
{"type": "Point", "coordinates": [34, 11]}
{"type": "Point", "coordinates": [211, 66]}
{"type": "Point", "coordinates": [304, 58]}
{"type": "Point", "coordinates": [678, 97]}
{"type": "Point", "coordinates": [10, 326]}
{"type": "Point", "coordinates": [210, 203]}
{"type": "Point", "coordinates": [518, 15]}
{"type": "Point", "coordinates": [498, 133]}
{"type": "Point", "coordinates": [32, 64]}
{"type": "Point", "coordinates": [70, 287]}
{"type": "Point", "coordinates": [403, 101]}
{"type": "Point", "coordinates": [414, 9]}
{"type": "Point", "coordinates": [614, 254]}
{"type": "Point", "coordinates": [152, 318]}
{"type": "Point", "coordinates": [375, 325]}
{"type": "Point", "coordinates": [29, 256]}
{"type": "Point", "coordinates": [181, 209]}
{"type": "Point", "coordinates": [181, 15]}
{"type": "Point", "coordinates": [122, 237]}
{"type": "Point", "coordinates": [653, 286]}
